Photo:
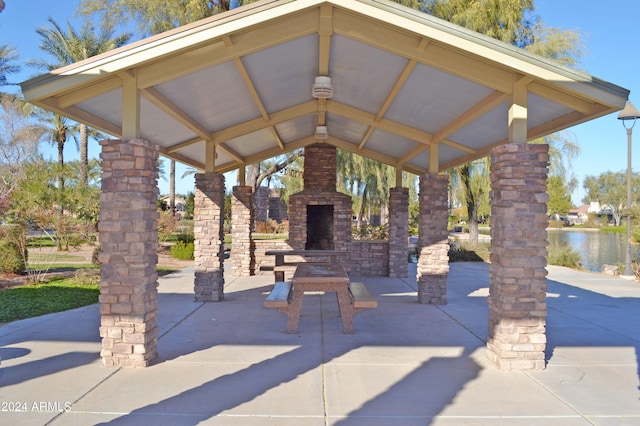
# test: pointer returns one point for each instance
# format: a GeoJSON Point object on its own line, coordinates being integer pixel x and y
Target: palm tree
{"type": "Point", "coordinates": [67, 47]}
{"type": "Point", "coordinates": [59, 129]}
{"type": "Point", "coordinates": [7, 57]}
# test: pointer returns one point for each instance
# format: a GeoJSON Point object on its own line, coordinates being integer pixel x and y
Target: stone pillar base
{"type": "Point", "coordinates": [433, 240]}
{"type": "Point", "coordinates": [209, 238]}
{"type": "Point", "coordinates": [399, 232]}
{"type": "Point", "coordinates": [518, 275]}
{"type": "Point", "coordinates": [242, 247]}
{"type": "Point", "coordinates": [129, 243]}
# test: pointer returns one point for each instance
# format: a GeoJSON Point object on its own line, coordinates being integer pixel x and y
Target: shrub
{"type": "Point", "coordinates": [460, 252]}
{"type": "Point", "coordinates": [556, 224]}
{"type": "Point", "coordinates": [167, 225]}
{"type": "Point", "coordinates": [95, 256]}
{"type": "Point", "coordinates": [185, 237]}
{"type": "Point", "coordinates": [370, 232]}
{"type": "Point", "coordinates": [561, 254]}
{"type": "Point", "coordinates": [182, 251]}
{"type": "Point", "coordinates": [11, 260]}
{"type": "Point", "coordinates": [268, 226]}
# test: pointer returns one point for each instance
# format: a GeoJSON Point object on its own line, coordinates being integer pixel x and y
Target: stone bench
{"type": "Point", "coordinates": [360, 297]}
{"type": "Point", "coordinates": [280, 295]}
{"type": "Point", "coordinates": [286, 300]}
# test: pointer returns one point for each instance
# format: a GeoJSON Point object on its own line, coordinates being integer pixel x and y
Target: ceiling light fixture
{"type": "Point", "coordinates": [321, 133]}
{"type": "Point", "coordinates": [322, 88]}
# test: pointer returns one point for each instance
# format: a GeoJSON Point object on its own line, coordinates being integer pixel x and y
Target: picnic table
{"type": "Point", "coordinates": [281, 265]}
{"type": "Point", "coordinates": [352, 297]}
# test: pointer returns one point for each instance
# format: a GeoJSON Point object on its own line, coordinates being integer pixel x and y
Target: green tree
{"type": "Point", "coordinates": [610, 190]}
{"type": "Point", "coordinates": [67, 47]}
{"type": "Point", "coordinates": [154, 17]}
{"type": "Point", "coordinates": [471, 185]}
{"type": "Point", "coordinates": [289, 180]}
{"type": "Point", "coordinates": [369, 183]}
{"type": "Point", "coordinates": [19, 138]}
{"type": "Point", "coordinates": [559, 197]}
{"type": "Point", "coordinates": [505, 20]}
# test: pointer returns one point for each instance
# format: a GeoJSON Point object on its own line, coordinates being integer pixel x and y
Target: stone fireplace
{"type": "Point", "coordinates": [320, 216]}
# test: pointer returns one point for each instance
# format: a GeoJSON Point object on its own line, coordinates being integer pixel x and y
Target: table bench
{"type": "Point", "coordinates": [360, 297]}
{"type": "Point", "coordinates": [352, 297]}
{"type": "Point", "coordinates": [280, 295]}
{"type": "Point", "coordinates": [281, 266]}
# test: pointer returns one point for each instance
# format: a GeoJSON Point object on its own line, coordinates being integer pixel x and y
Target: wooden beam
{"type": "Point", "coordinates": [130, 106]}
{"type": "Point", "coordinates": [384, 124]}
{"type": "Point", "coordinates": [434, 166]}
{"type": "Point", "coordinates": [177, 147]}
{"type": "Point", "coordinates": [555, 95]}
{"type": "Point", "coordinates": [486, 105]}
{"type": "Point", "coordinates": [82, 116]}
{"type": "Point", "coordinates": [80, 95]}
{"type": "Point", "coordinates": [213, 52]}
{"type": "Point", "coordinates": [242, 175]}
{"type": "Point", "coordinates": [518, 112]}
{"type": "Point", "coordinates": [182, 159]}
{"type": "Point", "coordinates": [272, 152]}
{"type": "Point", "coordinates": [210, 157]}
{"type": "Point", "coordinates": [325, 31]}
{"type": "Point", "coordinates": [436, 55]}
{"type": "Point", "coordinates": [164, 104]}
{"type": "Point", "coordinates": [256, 124]}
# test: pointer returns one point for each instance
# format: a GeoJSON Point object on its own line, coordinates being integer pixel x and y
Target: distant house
{"type": "Point", "coordinates": [180, 203]}
{"type": "Point", "coordinates": [579, 215]}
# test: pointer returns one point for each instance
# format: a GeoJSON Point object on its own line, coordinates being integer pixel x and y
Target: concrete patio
{"type": "Point", "coordinates": [231, 363]}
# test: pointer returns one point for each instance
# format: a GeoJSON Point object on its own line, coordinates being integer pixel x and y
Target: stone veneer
{"type": "Point", "coordinates": [518, 275]}
{"type": "Point", "coordinates": [433, 240]}
{"type": "Point", "coordinates": [209, 239]}
{"type": "Point", "coordinates": [320, 190]}
{"type": "Point", "coordinates": [128, 259]}
{"type": "Point", "coordinates": [398, 232]}
{"type": "Point", "coordinates": [369, 258]}
{"type": "Point", "coordinates": [242, 252]}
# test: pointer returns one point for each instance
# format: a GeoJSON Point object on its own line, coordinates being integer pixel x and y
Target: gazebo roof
{"type": "Point", "coordinates": [409, 90]}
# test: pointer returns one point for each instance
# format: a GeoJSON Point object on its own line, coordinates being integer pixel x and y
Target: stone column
{"type": "Point", "coordinates": [261, 203]}
{"type": "Point", "coordinates": [242, 248]}
{"type": "Point", "coordinates": [399, 232]}
{"type": "Point", "coordinates": [518, 275]}
{"type": "Point", "coordinates": [209, 237]}
{"type": "Point", "coordinates": [433, 240]}
{"type": "Point", "coordinates": [128, 259]}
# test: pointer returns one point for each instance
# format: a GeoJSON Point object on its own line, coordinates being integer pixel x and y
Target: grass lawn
{"type": "Point", "coordinates": [54, 296]}
{"type": "Point", "coordinates": [54, 257]}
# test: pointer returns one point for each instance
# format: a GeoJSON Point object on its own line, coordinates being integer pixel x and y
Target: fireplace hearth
{"type": "Point", "coordinates": [320, 216]}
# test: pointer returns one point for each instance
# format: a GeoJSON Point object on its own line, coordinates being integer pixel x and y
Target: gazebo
{"type": "Point", "coordinates": [367, 76]}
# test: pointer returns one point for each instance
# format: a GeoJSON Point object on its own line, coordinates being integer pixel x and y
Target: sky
{"type": "Point", "coordinates": [609, 31]}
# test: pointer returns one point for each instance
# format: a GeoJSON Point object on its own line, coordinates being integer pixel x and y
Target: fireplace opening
{"type": "Point", "coordinates": [319, 228]}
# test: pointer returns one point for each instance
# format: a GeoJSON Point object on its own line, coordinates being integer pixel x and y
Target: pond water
{"type": "Point", "coordinates": [595, 248]}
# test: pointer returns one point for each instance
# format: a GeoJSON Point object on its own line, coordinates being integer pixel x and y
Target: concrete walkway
{"type": "Point", "coordinates": [231, 363]}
